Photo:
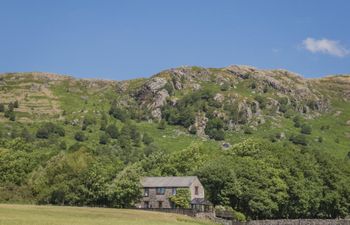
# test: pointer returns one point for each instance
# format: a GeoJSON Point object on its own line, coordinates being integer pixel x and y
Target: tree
{"type": "Point", "coordinates": [214, 129]}
{"type": "Point", "coordinates": [80, 136]}
{"type": "Point", "coordinates": [118, 113]}
{"type": "Point", "coordinates": [125, 189]}
{"type": "Point", "coordinates": [182, 198]}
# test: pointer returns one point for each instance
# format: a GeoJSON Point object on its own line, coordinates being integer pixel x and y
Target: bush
{"type": "Point", "coordinates": [297, 121]}
{"type": "Point", "coordinates": [162, 125]}
{"type": "Point", "coordinates": [239, 216]}
{"type": "Point", "coordinates": [2, 107]}
{"type": "Point", "coordinates": [80, 136]}
{"type": "Point", "coordinates": [118, 113]}
{"type": "Point", "coordinates": [225, 87]}
{"type": "Point", "coordinates": [112, 131]}
{"type": "Point", "coordinates": [299, 139]}
{"type": "Point", "coordinates": [261, 100]}
{"type": "Point", "coordinates": [42, 132]}
{"type": "Point", "coordinates": [16, 104]}
{"type": "Point", "coordinates": [306, 129]}
{"type": "Point", "coordinates": [103, 139]}
{"type": "Point", "coordinates": [48, 129]}
{"type": "Point", "coordinates": [248, 130]}
{"type": "Point", "coordinates": [214, 129]}
{"type": "Point", "coordinates": [147, 139]}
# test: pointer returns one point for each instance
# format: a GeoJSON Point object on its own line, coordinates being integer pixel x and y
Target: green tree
{"type": "Point", "coordinates": [125, 189]}
{"type": "Point", "coordinates": [182, 198]}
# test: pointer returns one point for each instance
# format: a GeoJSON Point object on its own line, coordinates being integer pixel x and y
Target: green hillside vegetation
{"type": "Point", "coordinates": [269, 144]}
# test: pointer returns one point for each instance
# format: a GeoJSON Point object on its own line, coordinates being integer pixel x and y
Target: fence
{"type": "Point", "coordinates": [188, 212]}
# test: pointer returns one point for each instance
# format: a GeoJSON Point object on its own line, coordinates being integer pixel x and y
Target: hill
{"type": "Point", "coordinates": [240, 129]}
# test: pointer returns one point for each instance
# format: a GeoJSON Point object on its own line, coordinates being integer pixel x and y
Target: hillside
{"type": "Point", "coordinates": [287, 131]}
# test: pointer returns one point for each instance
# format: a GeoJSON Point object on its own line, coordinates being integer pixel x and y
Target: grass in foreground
{"type": "Point", "coordinates": [59, 215]}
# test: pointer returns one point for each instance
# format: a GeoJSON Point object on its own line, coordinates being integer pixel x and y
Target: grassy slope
{"type": "Point", "coordinates": [56, 215]}
{"type": "Point", "coordinates": [336, 139]}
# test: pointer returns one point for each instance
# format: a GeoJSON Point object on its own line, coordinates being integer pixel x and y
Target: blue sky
{"type": "Point", "coordinates": [128, 39]}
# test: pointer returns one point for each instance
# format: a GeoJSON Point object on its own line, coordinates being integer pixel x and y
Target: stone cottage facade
{"type": "Point", "coordinates": [157, 190]}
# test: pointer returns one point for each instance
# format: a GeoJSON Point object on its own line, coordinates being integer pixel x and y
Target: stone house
{"type": "Point", "coordinates": [157, 190]}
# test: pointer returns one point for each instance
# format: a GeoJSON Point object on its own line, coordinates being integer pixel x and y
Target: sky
{"type": "Point", "coordinates": [116, 39]}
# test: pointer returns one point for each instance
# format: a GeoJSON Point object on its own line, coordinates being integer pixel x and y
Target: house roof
{"type": "Point", "coordinates": [168, 181]}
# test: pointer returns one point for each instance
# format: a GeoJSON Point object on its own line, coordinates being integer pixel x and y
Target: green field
{"type": "Point", "coordinates": [57, 215]}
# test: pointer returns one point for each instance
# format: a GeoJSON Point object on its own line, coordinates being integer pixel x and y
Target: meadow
{"type": "Point", "coordinates": [59, 215]}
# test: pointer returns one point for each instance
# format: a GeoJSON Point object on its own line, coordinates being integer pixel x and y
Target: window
{"type": "Point", "coordinates": [160, 204]}
{"type": "Point", "coordinates": [146, 192]}
{"type": "Point", "coordinates": [196, 190]}
{"type": "Point", "coordinates": [160, 191]}
{"type": "Point", "coordinates": [174, 191]}
{"type": "Point", "coordinates": [146, 205]}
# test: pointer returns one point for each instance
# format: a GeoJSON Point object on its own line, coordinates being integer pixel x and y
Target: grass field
{"type": "Point", "coordinates": [57, 215]}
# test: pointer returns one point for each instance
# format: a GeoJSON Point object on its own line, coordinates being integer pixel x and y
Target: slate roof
{"type": "Point", "coordinates": [167, 181]}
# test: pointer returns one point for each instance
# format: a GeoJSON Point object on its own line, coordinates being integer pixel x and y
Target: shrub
{"type": "Point", "coordinates": [248, 130]}
{"type": "Point", "coordinates": [112, 131]}
{"type": "Point", "coordinates": [11, 106]}
{"type": "Point", "coordinates": [2, 107]}
{"type": "Point", "coordinates": [49, 128]}
{"type": "Point", "coordinates": [225, 86]}
{"type": "Point", "coordinates": [162, 125]}
{"type": "Point", "coordinates": [214, 129]}
{"type": "Point", "coordinates": [239, 216]}
{"type": "Point", "coordinates": [147, 139]}
{"type": "Point", "coordinates": [16, 104]}
{"type": "Point", "coordinates": [118, 113]}
{"type": "Point", "coordinates": [261, 100]}
{"type": "Point", "coordinates": [306, 129]}
{"type": "Point", "coordinates": [297, 121]}
{"type": "Point", "coordinates": [299, 139]}
{"type": "Point", "coordinates": [103, 139]}
{"type": "Point", "coordinates": [42, 132]}
{"type": "Point", "coordinates": [80, 136]}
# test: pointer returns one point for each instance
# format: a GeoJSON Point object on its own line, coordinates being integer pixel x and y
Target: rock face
{"type": "Point", "coordinates": [235, 88]}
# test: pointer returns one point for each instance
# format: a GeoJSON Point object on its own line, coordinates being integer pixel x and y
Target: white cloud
{"type": "Point", "coordinates": [325, 46]}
